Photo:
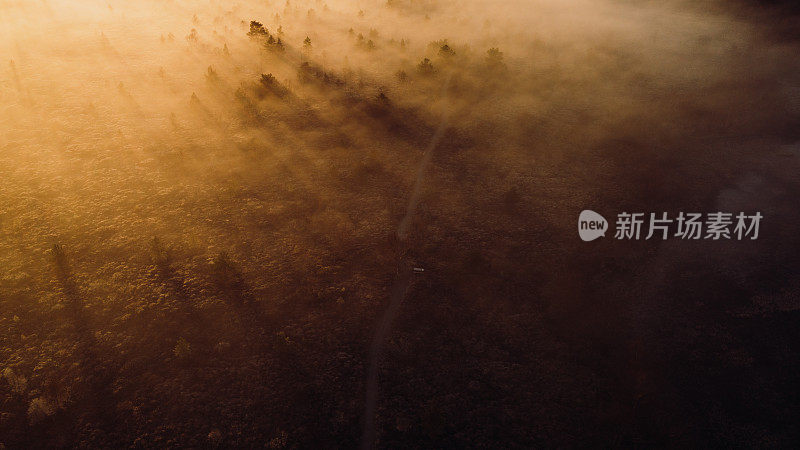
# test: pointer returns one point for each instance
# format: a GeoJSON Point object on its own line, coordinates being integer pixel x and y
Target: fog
{"type": "Point", "coordinates": [200, 201]}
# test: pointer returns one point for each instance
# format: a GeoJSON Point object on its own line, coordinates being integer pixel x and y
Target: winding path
{"type": "Point", "coordinates": [399, 289]}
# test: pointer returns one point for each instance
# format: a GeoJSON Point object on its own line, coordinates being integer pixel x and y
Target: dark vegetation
{"type": "Point", "coordinates": [215, 280]}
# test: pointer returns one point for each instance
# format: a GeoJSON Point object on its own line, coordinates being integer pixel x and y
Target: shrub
{"type": "Point", "coordinates": [257, 30]}
{"type": "Point", "coordinates": [211, 76]}
{"type": "Point", "coordinates": [425, 67]}
{"type": "Point", "coordinates": [39, 409]}
{"type": "Point", "coordinates": [182, 350]}
{"type": "Point", "coordinates": [494, 57]}
{"type": "Point", "coordinates": [445, 51]}
{"type": "Point", "coordinates": [16, 382]}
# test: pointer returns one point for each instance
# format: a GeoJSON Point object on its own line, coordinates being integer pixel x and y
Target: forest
{"type": "Point", "coordinates": [315, 224]}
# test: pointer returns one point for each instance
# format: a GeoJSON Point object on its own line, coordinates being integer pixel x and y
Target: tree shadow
{"type": "Point", "coordinates": [169, 277]}
{"type": "Point", "coordinates": [228, 280]}
{"type": "Point", "coordinates": [96, 396]}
